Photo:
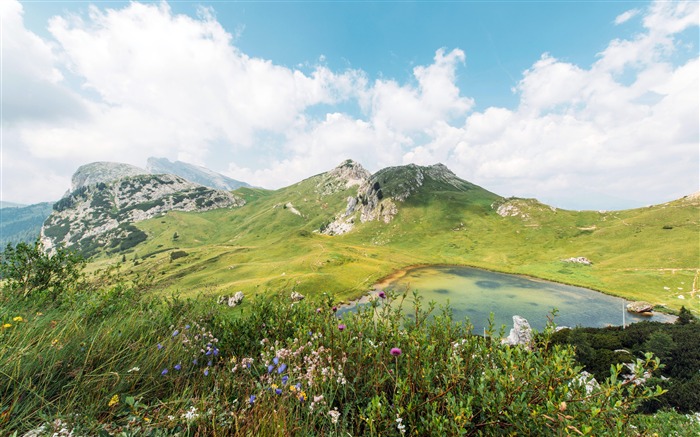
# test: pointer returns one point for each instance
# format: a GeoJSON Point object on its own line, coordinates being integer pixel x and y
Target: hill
{"type": "Point", "coordinates": [291, 238]}
{"type": "Point", "coordinates": [22, 224]}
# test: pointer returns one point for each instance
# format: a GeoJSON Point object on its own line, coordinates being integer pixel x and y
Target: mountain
{"type": "Point", "coordinates": [22, 224]}
{"type": "Point", "coordinates": [4, 204]}
{"type": "Point", "coordinates": [108, 198]}
{"type": "Point", "coordinates": [193, 173]}
{"type": "Point", "coordinates": [101, 172]}
{"type": "Point", "coordinates": [343, 230]}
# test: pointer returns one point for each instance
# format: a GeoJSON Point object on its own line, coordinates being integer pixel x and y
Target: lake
{"type": "Point", "coordinates": [474, 294]}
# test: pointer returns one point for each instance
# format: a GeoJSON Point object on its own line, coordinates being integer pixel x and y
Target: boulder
{"type": "Point", "coordinates": [520, 334]}
{"type": "Point", "coordinates": [296, 297]}
{"type": "Point", "coordinates": [640, 307]}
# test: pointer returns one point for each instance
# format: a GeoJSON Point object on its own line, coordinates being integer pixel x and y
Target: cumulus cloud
{"type": "Point", "coordinates": [155, 83]}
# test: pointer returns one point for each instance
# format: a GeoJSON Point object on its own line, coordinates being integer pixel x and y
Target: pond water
{"type": "Point", "coordinates": [474, 294]}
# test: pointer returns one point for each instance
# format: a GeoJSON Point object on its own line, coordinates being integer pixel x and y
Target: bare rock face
{"type": "Point", "coordinates": [102, 214]}
{"type": "Point", "coordinates": [521, 334]}
{"type": "Point", "coordinates": [102, 172]}
{"type": "Point", "coordinates": [640, 307]}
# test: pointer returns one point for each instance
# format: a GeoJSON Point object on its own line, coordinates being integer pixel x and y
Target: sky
{"type": "Point", "coordinates": [580, 104]}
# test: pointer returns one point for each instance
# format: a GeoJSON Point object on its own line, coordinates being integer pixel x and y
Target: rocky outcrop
{"type": "Point", "coordinates": [348, 174]}
{"type": "Point", "coordinates": [522, 208]}
{"type": "Point", "coordinates": [101, 215]}
{"type": "Point", "coordinates": [578, 260]}
{"type": "Point", "coordinates": [378, 195]}
{"type": "Point", "coordinates": [640, 307]}
{"type": "Point", "coordinates": [521, 334]}
{"type": "Point", "coordinates": [231, 301]}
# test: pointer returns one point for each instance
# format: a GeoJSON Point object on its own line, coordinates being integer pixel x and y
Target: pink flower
{"type": "Point", "coordinates": [341, 326]}
{"type": "Point", "coordinates": [395, 351]}
{"type": "Point", "coordinates": [382, 295]}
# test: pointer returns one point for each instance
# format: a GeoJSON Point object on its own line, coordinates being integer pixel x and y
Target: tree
{"type": "Point", "coordinates": [685, 316]}
{"type": "Point", "coordinates": [28, 271]}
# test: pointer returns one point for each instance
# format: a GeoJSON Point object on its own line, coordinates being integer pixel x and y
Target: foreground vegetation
{"type": "Point", "coordinates": [104, 357]}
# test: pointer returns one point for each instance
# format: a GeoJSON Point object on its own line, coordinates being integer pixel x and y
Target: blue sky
{"type": "Point", "coordinates": [585, 105]}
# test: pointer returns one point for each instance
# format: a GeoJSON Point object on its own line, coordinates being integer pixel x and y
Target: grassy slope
{"type": "Point", "coordinates": [264, 247]}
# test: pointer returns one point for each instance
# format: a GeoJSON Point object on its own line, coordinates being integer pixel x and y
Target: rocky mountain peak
{"type": "Point", "coordinates": [349, 173]}
{"type": "Point", "coordinates": [102, 172]}
{"type": "Point", "coordinates": [193, 173]}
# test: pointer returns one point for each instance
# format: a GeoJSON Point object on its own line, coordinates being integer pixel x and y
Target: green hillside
{"type": "Point", "coordinates": [273, 243]}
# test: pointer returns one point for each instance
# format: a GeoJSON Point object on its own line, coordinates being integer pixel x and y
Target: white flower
{"type": "Point", "coordinates": [133, 369]}
{"type": "Point", "coordinates": [335, 414]}
{"type": "Point", "coordinates": [190, 415]}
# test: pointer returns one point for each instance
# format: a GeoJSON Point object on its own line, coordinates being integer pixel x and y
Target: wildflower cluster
{"type": "Point", "coordinates": [199, 347]}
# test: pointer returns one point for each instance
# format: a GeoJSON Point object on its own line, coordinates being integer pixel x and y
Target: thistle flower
{"type": "Point", "coordinates": [382, 295]}
{"type": "Point", "coordinates": [395, 351]}
{"type": "Point", "coordinates": [341, 326]}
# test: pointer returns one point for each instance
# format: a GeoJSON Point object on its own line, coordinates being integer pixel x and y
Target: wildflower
{"type": "Point", "coordinates": [278, 391]}
{"type": "Point", "coordinates": [164, 372]}
{"type": "Point", "coordinates": [187, 326]}
{"type": "Point", "coordinates": [206, 372]}
{"type": "Point", "coordinates": [276, 361]}
{"type": "Point", "coordinates": [335, 414]}
{"type": "Point", "coordinates": [284, 379]}
{"type": "Point", "coordinates": [7, 325]}
{"type": "Point", "coordinates": [302, 396]}
{"type": "Point", "coordinates": [335, 309]}
{"type": "Point", "coordinates": [399, 425]}
{"type": "Point", "coordinates": [175, 332]}
{"type": "Point", "coordinates": [190, 415]}
{"type": "Point", "coordinates": [159, 346]}
{"type": "Point", "coordinates": [382, 295]}
{"type": "Point", "coordinates": [395, 351]}
{"type": "Point", "coordinates": [341, 327]}
{"type": "Point", "coordinates": [18, 319]}
{"type": "Point", "coordinates": [194, 361]}
{"type": "Point", "coordinates": [269, 368]}
{"type": "Point", "coordinates": [178, 366]}
{"type": "Point", "coordinates": [114, 401]}
{"type": "Point", "coordinates": [282, 368]}
{"type": "Point", "coordinates": [133, 369]}
{"type": "Point", "coordinates": [39, 314]}
{"type": "Point", "coordinates": [209, 363]}
{"type": "Point", "coordinates": [251, 401]}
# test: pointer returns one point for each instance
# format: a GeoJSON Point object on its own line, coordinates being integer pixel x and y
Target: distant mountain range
{"type": "Point", "coordinates": [22, 223]}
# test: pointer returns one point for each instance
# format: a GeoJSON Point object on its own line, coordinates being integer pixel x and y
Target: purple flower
{"type": "Point", "coordinates": [216, 351]}
{"type": "Point", "coordinates": [341, 326]}
{"type": "Point", "coordinates": [194, 361]}
{"type": "Point", "coordinates": [276, 361]}
{"type": "Point", "coordinates": [285, 378]}
{"type": "Point", "coordinates": [208, 352]}
{"type": "Point", "coordinates": [187, 326]}
{"type": "Point", "coordinates": [335, 309]}
{"type": "Point", "coordinates": [159, 346]}
{"type": "Point", "coordinates": [206, 372]}
{"type": "Point", "coordinates": [278, 391]}
{"type": "Point", "coordinates": [282, 368]}
{"type": "Point", "coordinates": [382, 295]}
{"type": "Point", "coordinates": [209, 363]}
{"type": "Point", "coordinates": [298, 385]}
{"type": "Point", "coordinates": [251, 401]}
{"type": "Point", "coordinates": [177, 367]}
{"type": "Point", "coordinates": [395, 351]}
{"type": "Point", "coordinates": [175, 333]}
{"type": "Point", "coordinates": [269, 368]}
{"type": "Point", "coordinates": [164, 372]}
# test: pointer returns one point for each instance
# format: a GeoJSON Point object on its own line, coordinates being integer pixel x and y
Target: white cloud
{"type": "Point", "coordinates": [154, 83]}
{"type": "Point", "coordinates": [626, 16]}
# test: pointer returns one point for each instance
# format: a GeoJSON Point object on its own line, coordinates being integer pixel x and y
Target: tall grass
{"type": "Point", "coordinates": [116, 362]}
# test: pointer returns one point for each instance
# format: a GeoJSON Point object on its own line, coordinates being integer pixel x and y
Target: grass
{"type": "Point", "coordinates": [263, 247]}
{"type": "Point", "coordinates": [115, 361]}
